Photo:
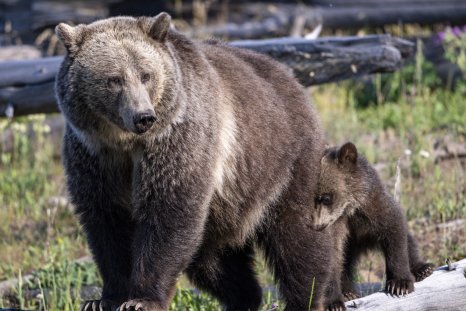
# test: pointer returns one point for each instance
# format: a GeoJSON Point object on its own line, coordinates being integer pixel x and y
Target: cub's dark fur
{"type": "Point", "coordinates": [352, 197]}
{"type": "Point", "coordinates": [182, 155]}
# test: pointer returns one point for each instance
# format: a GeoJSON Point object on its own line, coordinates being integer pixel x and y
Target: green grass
{"type": "Point", "coordinates": [407, 110]}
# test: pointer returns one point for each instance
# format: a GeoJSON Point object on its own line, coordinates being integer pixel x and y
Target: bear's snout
{"type": "Point", "coordinates": [143, 121]}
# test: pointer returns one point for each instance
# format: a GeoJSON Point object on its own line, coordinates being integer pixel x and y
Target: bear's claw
{"type": "Point", "coordinates": [99, 305]}
{"type": "Point", "coordinates": [336, 306]}
{"type": "Point", "coordinates": [424, 271]}
{"type": "Point", "coordinates": [399, 287]}
{"type": "Point", "coordinates": [139, 305]}
{"type": "Point", "coordinates": [350, 295]}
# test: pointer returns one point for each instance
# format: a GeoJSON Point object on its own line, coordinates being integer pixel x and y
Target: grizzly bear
{"type": "Point", "coordinates": [352, 201]}
{"type": "Point", "coordinates": [185, 156]}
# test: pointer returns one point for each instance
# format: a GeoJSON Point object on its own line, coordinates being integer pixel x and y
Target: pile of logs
{"type": "Point", "coordinates": [239, 19]}
{"type": "Point", "coordinates": [278, 19]}
{"type": "Point", "coordinates": [26, 87]}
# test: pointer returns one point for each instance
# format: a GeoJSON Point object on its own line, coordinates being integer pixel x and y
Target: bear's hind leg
{"type": "Point", "coordinates": [229, 276]}
{"type": "Point", "coordinates": [300, 258]}
{"type": "Point", "coordinates": [419, 268]}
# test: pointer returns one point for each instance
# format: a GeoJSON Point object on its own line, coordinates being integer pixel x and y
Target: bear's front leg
{"type": "Point", "coordinates": [394, 244]}
{"type": "Point", "coordinates": [170, 212]}
{"type": "Point", "coordinates": [91, 183]}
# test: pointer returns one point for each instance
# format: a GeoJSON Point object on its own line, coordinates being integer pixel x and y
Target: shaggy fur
{"type": "Point", "coordinates": [229, 159]}
{"type": "Point", "coordinates": [352, 200]}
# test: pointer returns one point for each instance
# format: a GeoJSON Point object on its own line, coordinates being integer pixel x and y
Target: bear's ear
{"type": "Point", "coordinates": [347, 154]}
{"type": "Point", "coordinates": [160, 27]}
{"type": "Point", "coordinates": [70, 36]}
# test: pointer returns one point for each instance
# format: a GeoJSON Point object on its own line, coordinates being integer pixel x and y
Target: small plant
{"type": "Point", "coordinates": [454, 42]}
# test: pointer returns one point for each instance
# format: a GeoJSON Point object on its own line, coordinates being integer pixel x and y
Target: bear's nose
{"type": "Point", "coordinates": [143, 121]}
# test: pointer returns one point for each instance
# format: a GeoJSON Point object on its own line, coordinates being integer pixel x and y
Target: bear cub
{"type": "Point", "coordinates": [352, 197]}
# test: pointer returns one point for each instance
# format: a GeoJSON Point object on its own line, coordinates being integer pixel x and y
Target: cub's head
{"type": "Point", "coordinates": [339, 184]}
{"type": "Point", "coordinates": [119, 78]}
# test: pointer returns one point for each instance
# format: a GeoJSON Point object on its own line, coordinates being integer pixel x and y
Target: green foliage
{"type": "Point", "coordinates": [187, 300]}
{"type": "Point", "coordinates": [403, 85]}
{"type": "Point", "coordinates": [454, 42]}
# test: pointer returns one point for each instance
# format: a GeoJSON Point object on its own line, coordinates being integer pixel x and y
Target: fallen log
{"type": "Point", "coordinates": [26, 72]}
{"type": "Point", "coordinates": [18, 52]}
{"type": "Point", "coordinates": [277, 19]}
{"type": "Point", "coordinates": [377, 3]}
{"type": "Point", "coordinates": [333, 59]}
{"type": "Point", "coordinates": [26, 87]}
{"type": "Point", "coordinates": [445, 289]}
{"type": "Point", "coordinates": [27, 18]}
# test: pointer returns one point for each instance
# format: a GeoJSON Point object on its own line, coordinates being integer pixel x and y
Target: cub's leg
{"type": "Point", "coordinates": [106, 222]}
{"type": "Point", "coordinates": [393, 235]}
{"type": "Point", "coordinates": [335, 301]}
{"type": "Point", "coordinates": [419, 268]}
{"type": "Point", "coordinates": [298, 256]}
{"type": "Point", "coordinates": [352, 255]}
{"type": "Point", "coordinates": [229, 276]}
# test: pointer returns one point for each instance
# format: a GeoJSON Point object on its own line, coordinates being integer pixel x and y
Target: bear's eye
{"type": "Point", "coordinates": [115, 81]}
{"type": "Point", "coordinates": [325, 199]}
{"type": "Point", "coordinates": [145, 77]}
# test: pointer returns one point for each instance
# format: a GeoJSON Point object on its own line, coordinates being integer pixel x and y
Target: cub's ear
{"type": "Point", "coordinates": [70, 36]}
{"type": "Point", "coordinates": [347, 154]}
{"type": "Point", "coordinates": [160, 27]}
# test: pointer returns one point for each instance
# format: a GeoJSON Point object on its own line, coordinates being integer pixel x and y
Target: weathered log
{"type": "Point", "coordinates": [33, 99]}
{"type": "Point", "coordinates": [26, 87]}
{"type": "Point", "coordinates": [15, 52]}
{"type": "Point", "coordinates": [445, 289]}
{"type": "Point", "coordinates": [329, 60]}
{"type": "Point", "coordinates": [26, 72]}
{"type": "Point", "coordinates": [277, 19]}
{"type": "Point", "coordinates": [27, 17]}
{"type": "Point", "coordinates": [377, 3]}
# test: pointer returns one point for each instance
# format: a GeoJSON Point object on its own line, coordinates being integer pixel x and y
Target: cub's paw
{"type": "Point", "coordinates": [99, 305]}
{"type": "Point", "coordinates": [139, 305]}
{"type": "Point", "coordinates": [350, 295]}
{"type": "Point", "coordinates": [399, 287]}
{"type": "Point", "coordinates": [423, 271]}
{"type": "Point", "coordinates": [336, 306]}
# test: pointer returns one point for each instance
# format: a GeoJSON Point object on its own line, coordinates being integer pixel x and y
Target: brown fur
{"type": "Point", "coordinates": [230, 161]}
{"type": "Point", "coordinates": [352, 201]}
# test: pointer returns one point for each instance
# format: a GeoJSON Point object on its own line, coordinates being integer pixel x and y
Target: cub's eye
{"type": "Point", "coordinates": [145, 77]}
{"type": "Point", "coordinates": [325, 199]}
{"type": "Point", "coordinates": [115, 81]}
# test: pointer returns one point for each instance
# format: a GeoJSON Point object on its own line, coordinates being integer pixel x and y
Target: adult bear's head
{"type": "Point", "coordinates": [119, 80]}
